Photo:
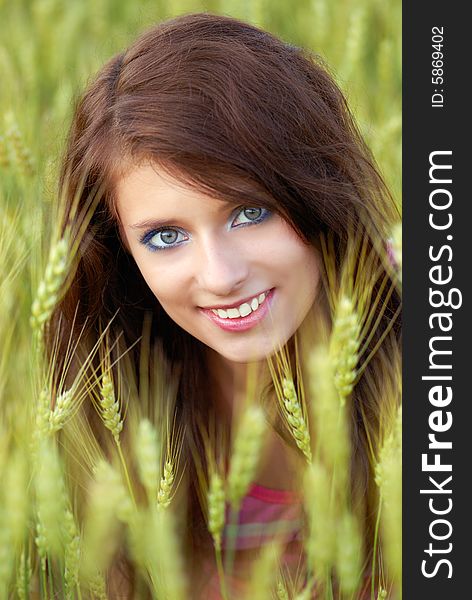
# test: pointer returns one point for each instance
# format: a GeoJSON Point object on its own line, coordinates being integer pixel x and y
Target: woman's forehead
{"type": "Point", "coordinates": [147, 191]}
{"type": "Point", "coordinates": [223, 182]}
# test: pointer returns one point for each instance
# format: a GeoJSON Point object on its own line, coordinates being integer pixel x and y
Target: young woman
{"type": "Point", "coordinates": [224, 165]}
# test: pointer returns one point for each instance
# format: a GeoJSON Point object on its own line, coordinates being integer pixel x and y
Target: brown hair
{"type": "Point", "coordinates": [237, 113]}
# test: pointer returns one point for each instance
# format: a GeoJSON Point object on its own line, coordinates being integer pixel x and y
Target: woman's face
{"type": "Point", "coordinates": [238, 279]}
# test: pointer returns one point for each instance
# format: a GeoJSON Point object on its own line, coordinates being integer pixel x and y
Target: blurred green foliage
{"type": "Point", "coordinates": [49, 48]}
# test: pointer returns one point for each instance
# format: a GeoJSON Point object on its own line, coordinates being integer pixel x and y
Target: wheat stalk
{"type": "Point", "coordinates": [349, 552]}
{"type": "Point", "coordinates": [320, 543]}
{"type": "Point", "coordinates": [137, 536]}
{"type": "Point", "coordinates": [166, 566]}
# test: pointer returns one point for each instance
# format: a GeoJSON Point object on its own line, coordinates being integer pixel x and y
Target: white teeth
{"type": "Point", "coordinates": [245, 309]}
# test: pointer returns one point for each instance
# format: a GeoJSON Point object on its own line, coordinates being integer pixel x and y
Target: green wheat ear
{"type": "Point", "coordinates": [23, 158]}
{"type": "Point", "coordinates": [23, 577]}
{"type": "Point", "coordinates": [332, 433]}
{"type": "Point", "coordinates": [344, 347]}
{"type": "Point", "coordinates": [97, 587]}
{"type": "Point", "coordinates": [161, 545]}
{"type": "Point", "coordinates": [282, 593]}
{"type": "Point", "coordinates": [13, 515]}
{"type": "Point", "coordinates": [164, 494]}
{"type": "Point", "coordinates": [291, 398]}
{"type": "Point", "coordinates": [110, 407]}
{"type": "Point", "coordinates": [305, 594]}
{"type": "Point", "coordinates": [62, 411]}
{"type": "Point", "coordinates": [296, 419]}
{"type": "Point", "coordinates": [216, 508]}
{"type": "Point", "coordinates": [320, 543]}
{"type": "Point", "coordinates": [349, 552]}
{"type": "Point", "coordinates": [49, 288]}
{"type": "Point", "coordinates": [388, 476]}
{"type": "Point", "coordinates": [50, 496]}
{"type": "Point", "coordinates": [265, 566]}
{"type": "Point", "coordinates": [245, 456]}
{"type": "Point", "coordinates": [4, 154]}
{"type": "Point", "coordinates": [108, 505]}
{"type": "Point", "coordinates": [71, 554]}
{"type": "Point", "coordinates": [147, 454]}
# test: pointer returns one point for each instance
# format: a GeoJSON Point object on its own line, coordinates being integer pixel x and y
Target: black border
{"type": "Point", "coordinates": [427, 129]}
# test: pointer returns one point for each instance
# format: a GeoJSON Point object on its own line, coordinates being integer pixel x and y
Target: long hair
{"type": "Point", "coordinates": [238, 114]}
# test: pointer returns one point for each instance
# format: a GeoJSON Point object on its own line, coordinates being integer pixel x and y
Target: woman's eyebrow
{"type": "Point", "coordinates": [153, 223]}
{"type": "Point", "coordinates": [157, 223]}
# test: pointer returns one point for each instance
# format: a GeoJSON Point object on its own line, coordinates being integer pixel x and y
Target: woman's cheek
{"type": "Point", "coordinates": [167, 287]}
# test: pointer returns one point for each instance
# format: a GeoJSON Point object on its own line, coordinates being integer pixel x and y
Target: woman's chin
{"type": "Point", "coordinates": [247, 353]}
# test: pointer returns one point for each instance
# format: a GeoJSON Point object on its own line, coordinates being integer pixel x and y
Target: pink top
{"type": "Point", "coordinates": [266, 515]}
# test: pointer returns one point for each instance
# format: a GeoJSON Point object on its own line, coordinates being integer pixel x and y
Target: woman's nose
{"type": "Point", "coordinates": [221, 269]}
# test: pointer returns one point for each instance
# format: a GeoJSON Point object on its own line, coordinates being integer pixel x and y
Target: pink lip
{"type": "Point", "coordinates": [241, 323]}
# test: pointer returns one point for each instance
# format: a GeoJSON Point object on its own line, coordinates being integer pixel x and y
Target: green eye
{"type": "Point", "coordinates": [250, 215]}
{"type": "Point", "coordinates": [168, 236]}
{"type": "Point", "coordinates": [163, 239]}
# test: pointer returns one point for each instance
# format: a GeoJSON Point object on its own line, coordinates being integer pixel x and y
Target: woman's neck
{"type": "Point", "coordinates": [232, 386]}
{"type": "Point", "coordinates": [235, 383]}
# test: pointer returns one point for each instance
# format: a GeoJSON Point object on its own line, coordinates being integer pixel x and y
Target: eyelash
{"type": "Point", "coordinates": [147, 237]}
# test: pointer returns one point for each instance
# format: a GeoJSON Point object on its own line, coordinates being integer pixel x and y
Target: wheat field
{"type": "Point", "coordinates": [48, 51]}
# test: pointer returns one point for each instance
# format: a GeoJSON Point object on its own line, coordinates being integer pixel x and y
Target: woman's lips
{"type": "Point", "coordinates": [242, 323]}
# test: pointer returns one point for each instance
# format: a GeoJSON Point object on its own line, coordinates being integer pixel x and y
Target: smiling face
{"type": "Point", "coordinates": [240, 279]}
